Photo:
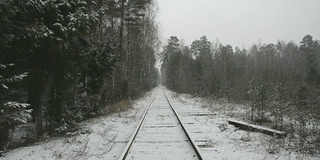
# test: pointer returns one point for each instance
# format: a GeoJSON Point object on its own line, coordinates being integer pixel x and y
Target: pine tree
{"type": "Point", "coordinates": [12, 113]}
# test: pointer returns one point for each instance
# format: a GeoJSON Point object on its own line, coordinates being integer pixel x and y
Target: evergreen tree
{"type": "Point", "coordinates": [311, 49]}
{"type": "Point", "coordinates": [12, 113]}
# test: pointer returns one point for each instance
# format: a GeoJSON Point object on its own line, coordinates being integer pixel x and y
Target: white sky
{"type": "Point", "coordinates": [240, 22]}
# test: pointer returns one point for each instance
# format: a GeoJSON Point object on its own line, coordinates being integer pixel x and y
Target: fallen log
{"type": "Point", "coordinates": [256, 128]}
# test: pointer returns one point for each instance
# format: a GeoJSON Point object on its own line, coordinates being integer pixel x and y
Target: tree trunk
{"type": "Point", "coordinates": [252, 105]}
{"type": "Point", "coordinates": [34, 98]}
{"type": "Point", "coordinates": [121, 28]}
{"type": "Point", "coordinates": [38, 113]}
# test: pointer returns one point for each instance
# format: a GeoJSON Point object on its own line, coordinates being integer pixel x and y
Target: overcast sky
{"type": "Point", "coordinates": [240, 22]}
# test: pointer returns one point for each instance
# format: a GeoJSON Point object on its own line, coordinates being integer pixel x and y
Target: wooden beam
{"type": "Point", "coordinates": [256, 128]}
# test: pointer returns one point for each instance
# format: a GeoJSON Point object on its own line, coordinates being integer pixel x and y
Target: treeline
{"type": "Point", "coordinates": [64, 60]}
{"type": "Point", "coordinates": [281, 80]}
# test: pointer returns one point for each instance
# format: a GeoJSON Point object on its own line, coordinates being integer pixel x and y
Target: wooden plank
{"type": "Point", "coordinates": [201, 114]}
{"type": "Point", "coordinates": [253, 127]}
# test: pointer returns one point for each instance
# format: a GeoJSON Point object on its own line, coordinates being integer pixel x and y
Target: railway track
{"type": "Point", "coordinates": [160, 134]}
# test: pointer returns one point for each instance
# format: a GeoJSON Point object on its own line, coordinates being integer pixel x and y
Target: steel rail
{"type": "Point", "coordinates": [130, 142]}
{"type": "Point", "coordinates": [194, 145]}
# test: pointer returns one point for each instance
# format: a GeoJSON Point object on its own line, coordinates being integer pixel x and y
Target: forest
{"type": "Point", "coordinates": [280, 82]}
{"type": "Point", "coordinates": [63, 61]}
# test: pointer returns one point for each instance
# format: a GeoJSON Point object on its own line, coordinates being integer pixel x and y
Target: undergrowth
{"type": "Point", "coordinates": [302, 138]}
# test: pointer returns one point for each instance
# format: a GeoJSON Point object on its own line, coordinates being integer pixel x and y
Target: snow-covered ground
{"type": "Point", "coordinates": [100, 138]}
{"type": "Point", "coordinates": [106, 137]}
{"type": "Point", "coordinates": [219, 140]}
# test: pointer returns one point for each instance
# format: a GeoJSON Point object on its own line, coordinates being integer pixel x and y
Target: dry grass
{"type": "Point", "coordinates": [119, 106]}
